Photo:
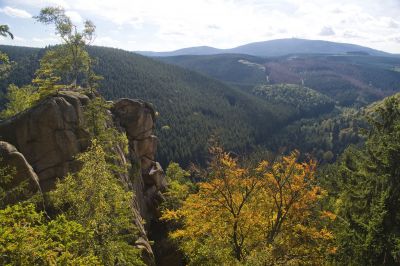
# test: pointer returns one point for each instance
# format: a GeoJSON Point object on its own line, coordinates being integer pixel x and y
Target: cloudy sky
{"type": "Point", "coordinates": [163, 25]}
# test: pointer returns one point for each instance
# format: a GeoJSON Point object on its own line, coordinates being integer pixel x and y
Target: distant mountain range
{"type": "Point", "coordinates": [277, 47]}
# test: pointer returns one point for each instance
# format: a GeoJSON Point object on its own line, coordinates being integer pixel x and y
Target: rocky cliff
{"type": "Point", "coordinates": [43, 141]}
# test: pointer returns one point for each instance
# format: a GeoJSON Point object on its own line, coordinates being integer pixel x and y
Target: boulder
{"type": "Point", "coordinates": [22, 175]}
{"type": "Point", "coordinates": [49, 135]}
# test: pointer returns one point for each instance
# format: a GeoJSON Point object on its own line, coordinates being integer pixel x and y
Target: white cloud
{"type": "Point", "coordinates": [351, 35]}
{"type": "Point", "coordinates": [15, 12]}
{"type": "Point", "coordinates": [45, 41]}
{"type": "Point", "coordinates": [39, 3]}
{"type": "Point", "coordinates": [395, 39]}
{"type": "Point", "coordinates": [167, 25]}
{"type": "Point", "coordinates": [227, 23]}
{"type": "Point", "coordinates": [393, 24]}
{"type": "Point", "coordinates": [107, 41]}
{"type": "Point", "coordinates": [19, 39]}
{"type": "Point", "coordinates": [74, 16]}
{"type": "Point", "coordinates": [327, 31]}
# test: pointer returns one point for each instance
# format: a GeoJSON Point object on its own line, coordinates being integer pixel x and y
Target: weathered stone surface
{"type": "Point", "coordinates": [156, 177]}
{"type": "Point", "coordinates": [22, 173]}
{"type": "Point", "coordinates": [146, 147]}
{"type": "Point", "coordinates": [49, 135]}
{"type": "Point", "coordinates": [137, 118]}
{"type": "Point", "coordinates": [144, 245]}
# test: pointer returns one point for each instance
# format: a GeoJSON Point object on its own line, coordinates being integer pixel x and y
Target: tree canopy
{"type": "Point", "coordinates": [69, 62]}
{"type": "Point", "coordinates": [268, 214]}
{"type": "Point", "coordinates": [366, 193]}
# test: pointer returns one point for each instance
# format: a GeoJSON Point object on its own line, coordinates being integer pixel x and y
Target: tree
{"type": "Point", "coordinates": [267, 214]}
{"type": "Point", "coordinates": [6, 176]}
{"type": "Point", "coordinates": [179, 187]}
{"type": "Point", "coordinates": [54, 70]}
{"type": "Point", "coordinates": [5, 64]}
{"type": "Point", "coordinates": [97, 200]}
{"type": "Point", "coordinates": [27, 238]}
{"type": "Point", "coordinates": [19, 99]}
{"type": "Point", "coordinates": [71, 58]}
{"type": "Point", "coordinates": [5, 31]}
{"type": "Point", "coordinates": [98, 123]}
{"type": "Point", "coordinates": [369, 193]}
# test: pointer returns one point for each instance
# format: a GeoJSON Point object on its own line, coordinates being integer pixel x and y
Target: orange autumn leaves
{"type": "Point", "coordinates": [264, 215]}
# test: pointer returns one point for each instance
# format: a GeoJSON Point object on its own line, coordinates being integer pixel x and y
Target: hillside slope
{"type": "Point", "coordinates": [235, 69]}
{"type": "Point", "coordinates": [348, 79]}
{"type": "Point", "coordinates": [192, 108]}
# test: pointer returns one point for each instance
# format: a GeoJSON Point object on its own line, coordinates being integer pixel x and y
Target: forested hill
{"type": "Point", "coordinates": [351, 79]}
{"type": "Point", "coordinates": [192, 108]}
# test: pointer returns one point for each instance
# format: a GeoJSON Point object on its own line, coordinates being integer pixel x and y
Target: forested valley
{"type": "Point", "coordinates": [286, 160]}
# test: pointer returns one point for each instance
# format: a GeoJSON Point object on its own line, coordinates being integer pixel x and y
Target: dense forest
{"type": "Point", "coordinates": [291, 160]}
{"type": "Point", "coordinates": [289, 213]}
{"type": "Point", "coordinates": [192, 108]}
{"type": "Point", "coordinates": [348, 79]}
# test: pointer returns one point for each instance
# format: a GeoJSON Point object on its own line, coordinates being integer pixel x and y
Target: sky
{"type": "Point", "coordinates": [165, 25]}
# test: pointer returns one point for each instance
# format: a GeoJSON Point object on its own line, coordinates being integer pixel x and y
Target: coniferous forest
{"type": "Point", "coordinates": [289, 159]}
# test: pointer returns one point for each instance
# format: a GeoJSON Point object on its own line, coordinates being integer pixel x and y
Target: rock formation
{"type": "Point", "coordinates": [49, 135]}
{"type": "Point", "coordinates": [137, 119]}
{"type": "Point", "coordinates": [25, 182]}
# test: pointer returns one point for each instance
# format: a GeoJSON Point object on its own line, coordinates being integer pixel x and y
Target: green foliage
{"type": "Point", "coordinates": [348, 79]}
{"type": "Point", "coordinates": [96, 199]}
{"type": "Point", "coordinates": [23, 70]}
{"type": "Point", "coordinates": [332, 132]}
{"type": "Point", "coordinates": [98, 122]}
{"type": "Point", "coordinates": [97, 119]}
{"type": "Point", "coordinates": [13, 190]}
{"type": "Point", "coordinates": [300, 101]}
{"type": "Point", "coordinates": [26, 238]}
{"type": "Point", "coordinates": [241, 70]}
{"type": "Point", "coordinates": [64, 26]}
{"type": "Point", "coordinates": [19, 99]}
{"type": "Point", "coordinates": [68, 61]}
{"type": "Point", "coordinates": [192, 106]}
{"type": "Point", "coordinates": [5, 31]}
{"type": "Point", "coordinates": [6, 176]}
{"type": "Point", "coordinates": [5, 66]}
{"type": "Point", "coordinates": [368, 193]}
{"type": "Point", "coordinates": [56, 69]}
{"type": "Point", "coordinates": [179, 187]}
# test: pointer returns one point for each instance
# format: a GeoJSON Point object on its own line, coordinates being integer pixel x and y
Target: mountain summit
{"type": "Point", "coordinates": [277, 47]}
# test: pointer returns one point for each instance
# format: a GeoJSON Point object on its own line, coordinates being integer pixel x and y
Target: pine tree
{"type": "Point", "coordinates": [97, 200]}
{"type": "Point", "coordinates": [369, 193]}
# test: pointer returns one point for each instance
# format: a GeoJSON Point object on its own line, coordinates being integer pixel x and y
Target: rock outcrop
{"type": "Point", "coordinates": [49, 135]}
{"type": "Point", "coordinates": [25, 182]}
{"type": "Point", "coordinates": [137, 119]}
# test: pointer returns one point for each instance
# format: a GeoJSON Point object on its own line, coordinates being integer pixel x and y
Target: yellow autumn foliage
{"type": "Point", "coordinates": [268, 215]}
